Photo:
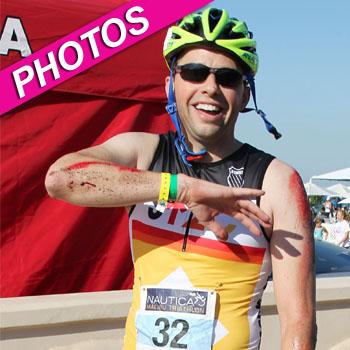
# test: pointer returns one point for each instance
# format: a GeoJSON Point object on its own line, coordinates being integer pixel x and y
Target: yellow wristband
{"type": "Point", "coordinates": [164, 188]}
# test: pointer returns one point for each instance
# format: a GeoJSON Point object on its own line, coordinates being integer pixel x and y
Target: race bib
{"type": "Point", "coordinates": [175, 318]}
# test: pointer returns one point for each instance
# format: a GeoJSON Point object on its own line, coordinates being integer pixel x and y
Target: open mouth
{"type": "Point", "coordinates": [209, 112]}
{"type": "Point", "coordinates": [208, 108]}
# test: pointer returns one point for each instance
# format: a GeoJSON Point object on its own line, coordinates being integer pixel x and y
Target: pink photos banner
{"type": "Point", "coordinates": [87, 46]}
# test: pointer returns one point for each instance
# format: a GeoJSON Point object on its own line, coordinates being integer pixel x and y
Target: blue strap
{"type": "Point", "coordinates": [270, 128]}
{"type": "Point", "coordinates": [180, 141]}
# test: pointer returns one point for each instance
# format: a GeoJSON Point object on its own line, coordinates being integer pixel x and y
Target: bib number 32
{"type": "Point", "coordinates": [163, 337]}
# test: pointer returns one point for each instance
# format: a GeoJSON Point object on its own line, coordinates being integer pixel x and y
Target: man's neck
{"type": "Point", "coordinates": [216, 151]}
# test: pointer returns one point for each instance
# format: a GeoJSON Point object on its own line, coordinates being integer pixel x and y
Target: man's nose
{"type": "Point", "coordinates": [210, 85]}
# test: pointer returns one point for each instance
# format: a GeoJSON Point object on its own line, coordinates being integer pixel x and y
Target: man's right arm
{"type": "Point", "coordinates": [107, 175]}
{"type": "Point", "coordinates": [114, 175]}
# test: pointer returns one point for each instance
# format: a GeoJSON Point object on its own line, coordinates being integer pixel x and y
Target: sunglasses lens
{"type": "Point", "coordinates": [198, 73]}
{"type": "Point", "coordinates": [228, 77]}
{"type": "Point", "coordinates": [194, 72]}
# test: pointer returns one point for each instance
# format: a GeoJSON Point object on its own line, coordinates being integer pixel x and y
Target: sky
{"type": "Point", "coordinates": [302, 83]}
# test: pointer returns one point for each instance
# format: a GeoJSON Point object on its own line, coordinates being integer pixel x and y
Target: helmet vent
{"type": "Point", "coordinates": [249, 49]}
{"type": "Point", "coordinates": [175, 36]}
{"type": "Point", "coordinates": [194, 27]}
{"type": "Point", "coordinates": [214, 17]}
{"type": "Point", "coordinates": [228, 33]}
{"type": "Point", "coordinates": [188, 27]}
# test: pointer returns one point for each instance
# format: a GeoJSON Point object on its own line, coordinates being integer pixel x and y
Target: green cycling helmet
{"type": "Point", "coordinates": [213, 28]}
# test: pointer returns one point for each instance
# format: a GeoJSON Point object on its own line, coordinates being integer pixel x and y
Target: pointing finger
{"type": "Point", "coordinates": [247, 193]}
{"type": "Point", "coordinates": [246, 221]}
{"type": "Point", "coordinates": [252, 208]}
{"type": "Point", "coordinates": [255, 218]}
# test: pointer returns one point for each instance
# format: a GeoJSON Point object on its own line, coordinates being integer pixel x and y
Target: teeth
{"type": "Point", "coordinates": [206, 107]}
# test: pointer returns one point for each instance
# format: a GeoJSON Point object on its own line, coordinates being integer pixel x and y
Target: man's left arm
{"type": "Point", "coordinates": [292, 254]}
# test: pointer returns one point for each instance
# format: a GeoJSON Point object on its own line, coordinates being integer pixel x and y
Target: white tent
{"type": "Point", "coordinates": [340, 190]}
{"type": "Point", "coordinates": [314, 190]}
{"type": "Point", "coordinates": [345, 201]}
{"type": "Point", "coordinates": [338, 175]}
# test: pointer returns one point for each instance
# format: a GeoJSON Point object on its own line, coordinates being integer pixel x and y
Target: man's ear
{"type": "Point", "coordinates": [246, 97]}
{"type": "Point", "coordinates": [167, 82]}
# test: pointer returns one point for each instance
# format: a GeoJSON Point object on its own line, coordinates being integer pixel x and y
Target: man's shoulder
{"type": "Point", "coordinates": [280, 170]}
{"type": "Point", "coordinates": [281, 177]}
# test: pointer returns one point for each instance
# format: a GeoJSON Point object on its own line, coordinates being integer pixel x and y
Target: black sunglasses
{"type": "Point", "coordinates": [197, 73]}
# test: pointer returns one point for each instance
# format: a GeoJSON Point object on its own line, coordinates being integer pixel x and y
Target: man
{"type": "Point", "coordinates": [203, 254]}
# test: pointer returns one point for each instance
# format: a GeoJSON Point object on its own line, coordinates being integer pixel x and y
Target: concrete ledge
{"type": "Point", "coordinates": [62, 308]}
{"type": "Point", "coordinates": [89, 321]}
{"type": "Point", "coordinates": [345, 345]}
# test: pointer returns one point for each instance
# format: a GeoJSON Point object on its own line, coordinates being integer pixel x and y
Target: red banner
{"type": "Point", "coordinates": [48, 246]}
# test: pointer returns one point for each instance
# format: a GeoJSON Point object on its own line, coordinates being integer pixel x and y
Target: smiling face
{"type": "Point", "coordinates": [340, 215]}
{"type": "Point", "coordinates": [208, 111]}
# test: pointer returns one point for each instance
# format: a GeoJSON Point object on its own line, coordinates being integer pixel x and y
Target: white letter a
{"type": "Point", "coordinates": [14, 38]}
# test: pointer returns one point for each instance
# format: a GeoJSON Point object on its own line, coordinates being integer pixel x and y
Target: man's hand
{"type": "Point", "coordinates": [206, 200]}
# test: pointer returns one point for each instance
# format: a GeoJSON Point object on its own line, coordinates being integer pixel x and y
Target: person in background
{"type": "Point", "coordinates": [340, 230]}
{"type": "Point", "coordinates": [322, 215]}
{"type": "Point", "coordinates": [328, 208]}
{"type": "Point", "coordinates": [318, 230]}
{"type": "Point", "coordinates": [347, 218]}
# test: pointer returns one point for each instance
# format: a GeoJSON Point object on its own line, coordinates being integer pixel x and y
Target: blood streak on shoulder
{"type": "Point", "coordinates": [297, 188]}
{"type": "Point", "coordinates": [84, 165]}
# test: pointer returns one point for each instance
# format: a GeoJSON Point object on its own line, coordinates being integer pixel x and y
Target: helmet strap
{"type": "Point", "coordinates": [186, 154]}
{"type": "Point", "coordinates": [270, 128]}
